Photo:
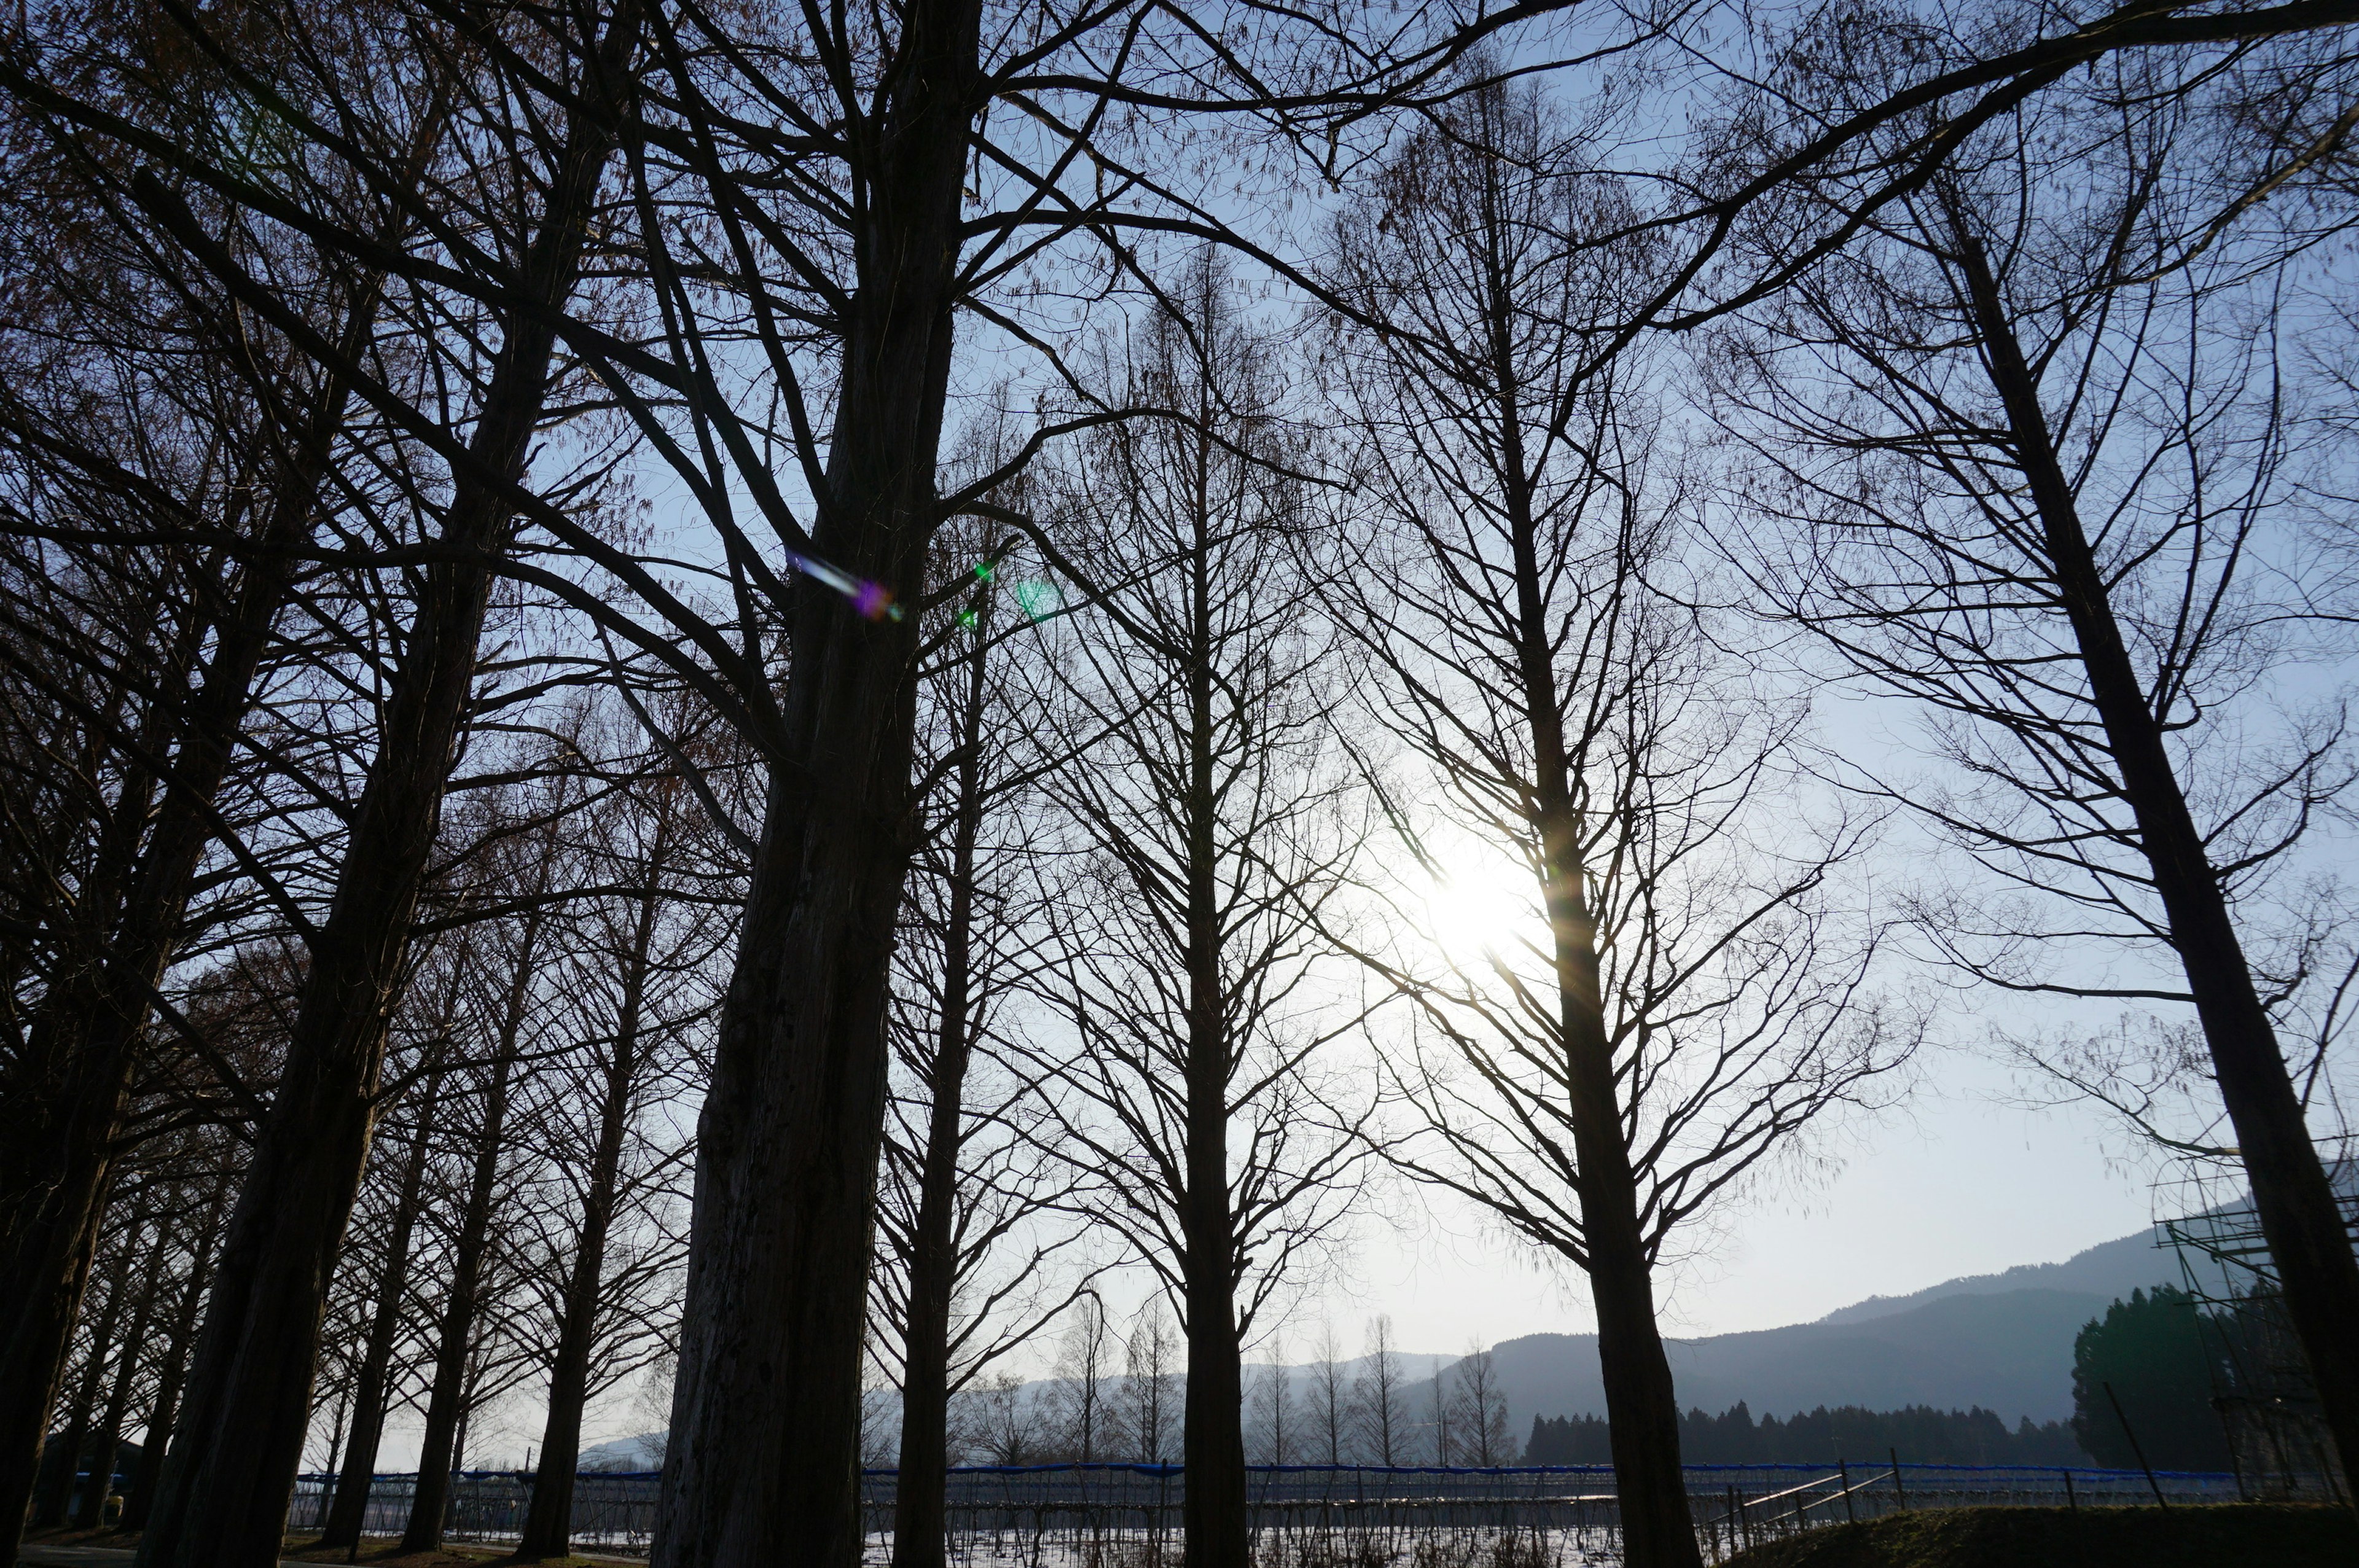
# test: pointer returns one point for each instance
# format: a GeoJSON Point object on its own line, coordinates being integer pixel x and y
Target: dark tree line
{"type": "Point", "coordinates": [1865, 1438]}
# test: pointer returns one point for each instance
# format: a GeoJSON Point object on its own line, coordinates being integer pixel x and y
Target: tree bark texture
{"type": "Point", "coordinates": [920, 1518]}
{"type": "Point", "coordinates": [2291, 1193]}
{"type": "Point", "coordinates": [763, 1467]}
{"type": "Point", "coordinates": [230, 1476]}
{"type": "Point", "coordinates": [348, 1511]}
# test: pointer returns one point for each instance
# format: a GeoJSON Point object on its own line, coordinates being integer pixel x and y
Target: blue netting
{"type": "Point", "coordinates": [1127, 1515]}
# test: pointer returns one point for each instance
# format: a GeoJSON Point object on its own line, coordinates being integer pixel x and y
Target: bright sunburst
{"type": "Point", "coordinates": [1485, 907]}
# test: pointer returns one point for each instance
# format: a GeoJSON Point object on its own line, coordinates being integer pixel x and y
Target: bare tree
{"type": "Point", "coordinates": [1442, 1446]}
{"type": "Point", "coordinates": [159, 411]}
{"type": "Point", "coordinates": [1675, 992]}
{"type": "Point", "coordinates": [1478, 1405]}
{"type": "Point", "coordinates": [2034, 466]}
{"type": "Point", "coordinates": [1210, 811]}
{"type": "Point", "coordinates": [1003, 1426]}
{"type": "Point", "coordinates": [1379, 1397]}
{"type": "Point", "coordinates": [51, 1508]}
{"type": "Point", "coordinates": [227, 1477]}
{"type": "Point", "coordinates": [1273, 1403]}
{"type": "Point", "coordinates": [974, 1217]}
{"type": "Point", "coordinates": [1150, 1374]}
{"type": "Point", "coordinates": [212, 1181]}
{"type": "Point", "coordinates": [637, 984]}
{"type": "Point", "coordinates": [372, 1374]}
{"type": "Point", "coordinates": [1330, 1399]}
{"type": "Point", "coordinates": [511, 1007]}
{"type": "Point", "coordinates": [1081, 1398]}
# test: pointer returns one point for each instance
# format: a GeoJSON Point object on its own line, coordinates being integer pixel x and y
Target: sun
{"type": "Point", "coordinates": [1483, 909]}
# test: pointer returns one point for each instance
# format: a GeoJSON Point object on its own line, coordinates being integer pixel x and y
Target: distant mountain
{"type": "Point", "coordinates": [2108, 1269]}
{"type": "Point", "coordinates": [2010, 1352]}
{"type": "Point", "coordinates": [2000, 1341]}
{"type": "Point", "coordinates": [642, 1453]}
{"type": "Point", "coordinates": [1413, 1364]}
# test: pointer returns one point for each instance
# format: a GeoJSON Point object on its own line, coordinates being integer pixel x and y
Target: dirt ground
{"type": "Point", "coordinates": [375, 1551]}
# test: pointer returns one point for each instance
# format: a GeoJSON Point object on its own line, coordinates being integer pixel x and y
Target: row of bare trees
{"type": "Point", "coordinates": [538, 609]}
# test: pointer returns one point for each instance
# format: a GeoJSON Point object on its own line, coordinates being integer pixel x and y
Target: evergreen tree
{"type": "Point", "coordinates": [2150, 1349]}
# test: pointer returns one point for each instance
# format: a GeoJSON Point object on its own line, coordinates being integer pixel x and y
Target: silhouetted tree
{"type": "Point", "coordinates": [2149, 1351]}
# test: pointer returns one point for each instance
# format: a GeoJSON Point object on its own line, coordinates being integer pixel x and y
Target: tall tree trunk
{"type": "Point", "coordinates": [90, 1506]}
{"type": "Point", "coordinates": [348, 1512]}
{"type": "Point", "coordinates": [2299, 1217]}
{"type": "Point", "coordinates": [1213, 1447]}
{"type": "Point", "coordinates": [230, 1476]}
{"type": "Point", "coordinates": [1641, 1404]}
{"type": "Point", "coordinates": [53, 1181]}
{"type": "Point", "coordinates": [919, 1512]}
{"type": "Point", "coordinates": [55, 1168]}
{"type": "Point", "coordinates": [549, 1524]}
{"type": "Point", "coordinates": [59, 1491]}
{"type": "Point", "coordinates": [170, 1375]}
{"type": "Point", "coordinates": [764, 1462]}
{"type": "Point", "coordinates": [447, 1403]}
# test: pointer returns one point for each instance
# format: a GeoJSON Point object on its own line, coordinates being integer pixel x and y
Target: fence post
{"type": "Point", "coordinates": [2070, 1499]}
{"type": "Point", "coordinates": [1898, 1485]}
{"type": "Point", "coordinates": [2136, 1447]}
{"type": "Point", "coordinates": [1850, 1513]}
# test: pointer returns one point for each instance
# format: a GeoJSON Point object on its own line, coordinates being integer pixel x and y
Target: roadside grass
{"type": "Point", "coordinates": [2221, 1535]}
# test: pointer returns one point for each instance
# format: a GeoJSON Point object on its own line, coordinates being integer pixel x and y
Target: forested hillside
{"type": "Point", "coordinates": [1920, 1434]}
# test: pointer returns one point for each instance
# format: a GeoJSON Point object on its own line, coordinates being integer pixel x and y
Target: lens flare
{"type": "Point", "coordinates": [873, 599]}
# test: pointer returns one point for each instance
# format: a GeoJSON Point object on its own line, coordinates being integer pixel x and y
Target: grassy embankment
{"type": "Point", "coordinates": [2226, 1535]}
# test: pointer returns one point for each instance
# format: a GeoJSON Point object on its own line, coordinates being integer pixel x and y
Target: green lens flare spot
{"type": "Point", "coordinates": [1038, 599]}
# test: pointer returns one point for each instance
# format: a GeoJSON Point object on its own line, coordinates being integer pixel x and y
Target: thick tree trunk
{"type": "Point", "coordinates": [2291, 1193]}
{"type": "Point", "coordinates": [1213, 1505]}
{"type": "Point", "coordinates": [230, 1476]}
{"type": "Point", "coordinates": [55, 1168]}
{"type": "Point", "coordinates": [348, 1511]}
{"type": "Point", "coordinates": [1211, 1442]}
{"type": "Point", "coordinates": [69, 1159]}
{"type": "Point", "coordinates": [141, 1500]}
{"type": "Point", "coordinates": [549, 1525]}
{"type": "Point", "coordinates": [764, 1463]}
{"type": "Point", "coordinates": [1641, 1404]}
{"type": "Point", "coordinates": [447, 1403]}
{"type": "Point", "coordinates": [89, 1508]}
{"type": "Point", "coordinates": [919, 1514]}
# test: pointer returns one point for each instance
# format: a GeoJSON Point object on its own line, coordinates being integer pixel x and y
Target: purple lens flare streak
{"type": "Point", "coordinates": [873, 599]}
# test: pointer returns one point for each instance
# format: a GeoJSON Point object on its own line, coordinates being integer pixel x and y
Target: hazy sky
{"type": "Point", "coordinates": [1962, 1184]}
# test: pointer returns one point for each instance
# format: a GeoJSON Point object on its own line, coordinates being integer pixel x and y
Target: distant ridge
{"type": "Point", "coordinates": [2108, 1269]}
{"type": "Point", "coordinates": [2010, 1352]}
{"type": "Point", "coordinates": [2001, 1341]}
